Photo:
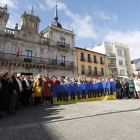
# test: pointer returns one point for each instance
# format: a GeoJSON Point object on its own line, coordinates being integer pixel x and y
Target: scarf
{"type": "Point", "coordinates": [40, 82]}
{"type": "Point", "coordinates": [19, 83]}
{"type": "Point", "coordinates": [27, 83]}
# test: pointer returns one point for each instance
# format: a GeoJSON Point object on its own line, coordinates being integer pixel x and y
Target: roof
{"type": "Point", "coordinates": [89, 51]}
{"type": "Point", "coordinates": [57, 24]}
{"type": "Point", "coordinates": [135, 61]}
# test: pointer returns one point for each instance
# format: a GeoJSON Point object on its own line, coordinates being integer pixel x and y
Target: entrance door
{"type": "Point", "coordinates": [28, 74]}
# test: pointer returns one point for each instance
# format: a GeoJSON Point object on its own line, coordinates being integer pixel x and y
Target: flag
{"type": "Point", "coordinates": [42, 55]}
{"type": "Point", "coordinates": [18, 52]}
{"type": "Point", "coordinates": [56, 59]}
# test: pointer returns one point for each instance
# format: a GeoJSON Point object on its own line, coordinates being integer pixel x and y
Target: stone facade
{"type": "Point", "coordinates": [51, 51]}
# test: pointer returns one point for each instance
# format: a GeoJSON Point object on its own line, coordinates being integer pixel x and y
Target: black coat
{"type": "Point", "coordinates": [118, 84]}
{"type": "Point", "coordinates": [4, 94]}
{"type": "Point", "coordinates": [125, 86]}
{"type": "Point", "coordinates": [24, 86]}
{"type": "Point", "coordinates": [13, 85]}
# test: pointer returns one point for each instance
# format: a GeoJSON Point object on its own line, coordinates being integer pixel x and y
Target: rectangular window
{"type": "Point", "coordinates": [102, 71]}
{"type": "Point", "coordinates": [113, 72]}
{"type": "Point", "coordinates": [82, 69]}
{"type": "Point", "coordinates": [110, 51]}
{"type": "Point", "coordinates": [88, 57]}
{"type": "Point", "coordinates": [95, 70]}
{"type": "Point", "coordinates": [122, 72]}
{"type": "Point", "coordinates": [101, 60]}
{"type": "Point", "coordinates": [28, 56]}
{"type": "Point", "coordinates": [125, 53]}
{"type": "Point", "coordinates": [120, 62]}
{"type": "Point", "coordinates": [62, 41]}
{"type": "Point", "coordinates": [89, 69]}
{"type": "Point", "coordinates": [126, 63]}
{"type": "Point", "coordinates": [62, 59]}
{"type": "Point", "coordinates": [82, 56]}
{"type": "Point", "coordinates": [119, 51]}
{"type": "Point", "coordinates": [111, 62]}
{"type": "Point", "coordinates": [95, 59]}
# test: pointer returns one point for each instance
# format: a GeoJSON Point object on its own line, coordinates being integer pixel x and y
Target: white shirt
{"type": "Point", "coordinates": [137, 85]}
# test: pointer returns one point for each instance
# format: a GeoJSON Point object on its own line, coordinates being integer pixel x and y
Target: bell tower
{"type": "Point", "coordinates": [4, 16]}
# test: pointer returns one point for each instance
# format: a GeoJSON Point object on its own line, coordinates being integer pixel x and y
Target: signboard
{"type": "Point", "coordinates": [71, 93]}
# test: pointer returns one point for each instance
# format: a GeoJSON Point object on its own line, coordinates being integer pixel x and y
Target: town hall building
{"type": "Point", "coordinates": [29, 52]}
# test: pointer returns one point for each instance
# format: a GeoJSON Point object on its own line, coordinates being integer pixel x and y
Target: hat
{"type": "Point", "coordinates": [18, 75]}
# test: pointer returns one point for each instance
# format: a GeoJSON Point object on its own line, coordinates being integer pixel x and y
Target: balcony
{"type": "Point", "coordinates": [63, 45]}
{"type": "Point", "coordinates": [83, 59]}
{"type": "Point", "coordinates": [82, 72]}
{"type": "Point", "coordinates": [88, 73]}
{"type": "Point", "coordinates": [102, 74]}
{"type": "Point", "coordinates": [93, 73]}
{"type": "Point", "coordinates": [112, 65]}
{"type": "Point", "coordinates": [95, 61]}
{"type": "Point", "coordinates": [46, 41]}
{"type": "Point", "coordinates": [36, 60]}
{"type": "Point", "coordinates": [102, 62]}
{"type": "Point", "coordinates": [113, 74]}
{"type": "Point", "coordinates": [111, 55]}
{"type": "Point", "coordinates": [89, 60]}
{"type": "Point", "coordinates": [9, 32]}
{"type": "Point", "coordinates": [121, 64]}
{"type": "Point", "coordinates": [96, 73]}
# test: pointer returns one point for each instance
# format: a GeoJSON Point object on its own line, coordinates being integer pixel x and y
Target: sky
{"type": "Point", "coordinates": [93, 21]}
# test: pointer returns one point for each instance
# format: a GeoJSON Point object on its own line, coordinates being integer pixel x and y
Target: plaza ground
{"type": "Point", "coordinates": [99, 120]}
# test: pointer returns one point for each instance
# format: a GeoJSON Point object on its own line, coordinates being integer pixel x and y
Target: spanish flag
{"type": "Point", "coordinates": [18, 52]}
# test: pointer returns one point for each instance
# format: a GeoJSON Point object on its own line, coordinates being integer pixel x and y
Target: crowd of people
{"type": "Point", "coordinates": [19, 91]}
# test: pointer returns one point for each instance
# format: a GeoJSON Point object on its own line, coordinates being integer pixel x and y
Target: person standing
{"type": "Point", "coordinates": [47, 88]}
{"type": "Point", "coordinates": [28, 90]}
{"type": "Point", "coordinates": [137, 86]}
{"type": "Point", "coordinates": [125, 88]}
{"type": "Point", "coordinates": [14, 89]}
{"type": "Point", "coordinates": [62, 82]}
{"type": "Point", "coordinates": [131, 88]}
{"type": "Point", "coordinates": [38, 88]}
{"type": "Point", "coordinates": [118, 88]}
{"type": "Point", "coordinates": [0, 96]}
{"type": "Point", "coordinates": [67, 80]}
{"type": "Point", "coordinates": [4, 91]}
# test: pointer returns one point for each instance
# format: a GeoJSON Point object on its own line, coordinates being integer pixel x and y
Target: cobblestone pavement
{"type": "Point", "coordinates": [100, 120]}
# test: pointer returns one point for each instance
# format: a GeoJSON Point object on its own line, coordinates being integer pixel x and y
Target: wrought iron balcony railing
{"type": "Point", "coordinates": [89, 60]}
{"type": "Point", "coordinates": [32, 59]}
{"type": "Point", "coordinates": [82, 72]}
{"type": "Point", "coordinates": [93, 73]}
{"type": "Point", "coordinates": [83, 59]}
{"type": "Point", "coordinates": [95, 61]}
{"type": "Point", "coordinates": [63, 45]}
{"type": "Point", "coordinates": [102, 62]}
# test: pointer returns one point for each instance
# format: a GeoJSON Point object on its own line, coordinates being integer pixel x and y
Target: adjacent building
{"type": "Point", "coordinates": [29, 52]}
{"type": "Point", "coordinates": [118, 58]}
{"type": "Point", "coordinates": [136, 67]}
{"type": "Point", "coordinates": [90, 64]}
